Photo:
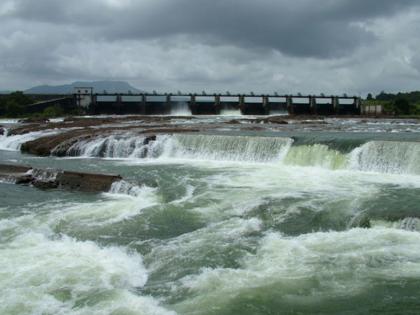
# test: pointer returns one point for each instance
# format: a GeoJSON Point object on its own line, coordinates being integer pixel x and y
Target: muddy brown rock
{"type": "Point", "coordinates": [86, 182]}
{"type": "Point", "coordinates": [73, 181]}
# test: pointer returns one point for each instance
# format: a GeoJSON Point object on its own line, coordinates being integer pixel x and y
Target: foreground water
{"type": "Point", "coordinates": [284, 223]}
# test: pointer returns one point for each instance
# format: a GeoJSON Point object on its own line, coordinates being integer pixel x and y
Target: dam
{"type": "Point", "coordinates": [184, 104]}
{"type": "Point", "coordinates": [218, 104]}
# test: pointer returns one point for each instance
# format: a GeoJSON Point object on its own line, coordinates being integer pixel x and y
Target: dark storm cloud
{"type": "Point", "coordinates": [323, 28]}
{"type": "Point", "coordinates": [309, 46]}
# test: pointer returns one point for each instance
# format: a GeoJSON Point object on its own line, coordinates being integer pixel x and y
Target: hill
{"type": "Point", "coordinates": [98, 87]}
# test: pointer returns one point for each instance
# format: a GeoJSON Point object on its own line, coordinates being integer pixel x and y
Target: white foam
{"type": "Point", "coordinates": [318, 265]}
{"type": "Point", "coordinates": [117, 206]}
{"type": "Point", "coordinates": [13, 143]}
{"type": "Point", "coordinates": [125, 188]}
{"type": "Point", "coordinates": [9, 121]}
{"type": "Point", "coordinates": [64, 276]}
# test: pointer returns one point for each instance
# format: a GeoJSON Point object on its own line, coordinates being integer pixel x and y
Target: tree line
{"type": "Point", "coordinates": [17, 104]}
{"type": "Point", "coordinates": [397, 103]}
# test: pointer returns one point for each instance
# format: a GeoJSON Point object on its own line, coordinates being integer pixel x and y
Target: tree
{"type": "Point", "coordinates": [385, 96]}
{"type": "Point", "coordinates": [401, 106]}
{"type": "Point", "coordinates": [13, 108]}
{"type": "Point", "coordinates": [369, 97]}
{"type": "Point", "coordinates": [20, 98]}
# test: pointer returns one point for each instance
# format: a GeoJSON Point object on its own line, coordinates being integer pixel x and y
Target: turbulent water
{"type": "Point", "coordinates": [375, 156]}
{"type": "Point", "coordinates": [286, 223]}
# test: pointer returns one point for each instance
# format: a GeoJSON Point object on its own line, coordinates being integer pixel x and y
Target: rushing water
{"type": "Point", "coordinates": [288, 223]}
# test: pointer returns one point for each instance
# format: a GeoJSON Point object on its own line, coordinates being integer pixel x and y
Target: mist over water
{"type": "Point", "coordinates": [273, 223]}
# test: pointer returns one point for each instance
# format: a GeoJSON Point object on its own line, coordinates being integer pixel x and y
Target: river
{"type": "Point", "coordinates": [319, 221]}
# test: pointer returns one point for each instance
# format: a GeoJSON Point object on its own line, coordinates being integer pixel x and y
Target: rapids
{"type": "Point", "coordinates": [375, 156]}
{"type": "Point", "coordinates": [218, 223]}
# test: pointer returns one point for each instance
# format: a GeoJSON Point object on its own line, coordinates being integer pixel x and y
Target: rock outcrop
{"type": "Point", "coordinates": [59, 144]}
{"type": "Point", "coordinates": [51, 179]}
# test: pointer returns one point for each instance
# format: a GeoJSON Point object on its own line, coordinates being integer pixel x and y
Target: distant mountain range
{"type": "Point", "coordinates": [98, 87]}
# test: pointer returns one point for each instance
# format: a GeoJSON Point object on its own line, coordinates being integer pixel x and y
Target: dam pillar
{"type": "Point", "coordinates": [94, 105]}
{"type": "Point", "coordinates": [289, 104]}
{"type": "Point", "coordinates": [266, 104]}
{"type": "Point", "coordinates": [241, 100]}
{"type": "Point", "coordinates": [192, 104]}
{"type": "Point", "coordinates": [358, 105]}
{"type": "Point", "coordinates": [336, 104]}
{"type": "Point", "coordinates": [119, 104]}
{"type": "Point", "coordinates": [312, 105]}
{"type": "Point", "coordinates": [217, 103]}
{"type": "Point", "coordinates": [142, 105]}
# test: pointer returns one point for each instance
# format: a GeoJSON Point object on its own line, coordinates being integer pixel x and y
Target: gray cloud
{"type": "Point", "coordinates": [308, 28]}
{"type": "Point", "coordinates": [301, 45]}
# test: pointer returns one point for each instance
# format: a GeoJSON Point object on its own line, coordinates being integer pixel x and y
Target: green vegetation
{"type": "Point", "coordinates": [16, 105]}
{"type": "Point", "coordinates": [400, 104]}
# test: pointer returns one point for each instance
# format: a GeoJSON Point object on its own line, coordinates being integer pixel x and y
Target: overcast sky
{"type": "Point", "coordinates": [288, 46]}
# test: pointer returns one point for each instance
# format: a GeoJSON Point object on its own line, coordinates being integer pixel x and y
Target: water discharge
{"type": "Point", "coordinates": [180, 109]}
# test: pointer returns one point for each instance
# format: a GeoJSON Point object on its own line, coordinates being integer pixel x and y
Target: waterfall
{"type": "Point", "coordinates": [180, 109]}
{"type": "Point", "coordinates": [373, 156]}
{"type": "Point", "coordinates": [387, 157]}
{"type": "Point", "coordinates": [319, 155]}
{"type": "Point", "coordinates": [13, 143]}
{"type": "Point", "coordinates": [202, 147]}
{"type": "Point", "coordinates": [226, 148]}
{"type": "Point", "coordinates": [114, 146]}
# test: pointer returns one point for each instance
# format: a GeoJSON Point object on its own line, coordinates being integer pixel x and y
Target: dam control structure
{"type": "Point", "coordinates": [216, 104]}
{"type": "Point", "coordinates": [199, 104]}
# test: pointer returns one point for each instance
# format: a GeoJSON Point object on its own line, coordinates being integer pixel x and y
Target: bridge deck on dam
{"type": "Point", "coordinates": [216, 104]}
{"type": "Point", "coordinates": [202, 104]}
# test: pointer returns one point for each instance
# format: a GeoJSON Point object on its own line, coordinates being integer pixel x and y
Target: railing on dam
{"type": "Point", "coordinates": [215, 104]}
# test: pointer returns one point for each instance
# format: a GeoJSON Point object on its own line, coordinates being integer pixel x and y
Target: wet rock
{"type": "Point", "coordinates": [39, 178]}
{"type": "Point", "coordinates": [45, 145]}
{"type": "Point", "coordinates": [24, 179]}
{"type": "Point", "coordinates": [253, 128]}
{"type": "Point", "coordinates": [86, 182]}
{"type": "Point", "coordinates": [271, 120]}
{"type": "Point", "coordinates": [365, 223]}
{"type": "Point", "coordinates": [2, 131]}
{"type": "Point", "coordinates": [233, 122]}
{"type": "Point", "coordinates": [45, 184]}
{"type": "Point", "coordinates": [33, 120]}
{"type": "Point", "coordinates": [149, 139]}
{"type": "Point", "coordinates": [14, 169]}
{"type": "Point", "coordinates": [15, 174]}
{"type": "Point", "coordinates": [277, 120]}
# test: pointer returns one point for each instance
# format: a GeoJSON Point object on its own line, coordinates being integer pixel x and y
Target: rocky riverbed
{"type": "Point", "coordinates": [57, 137]}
